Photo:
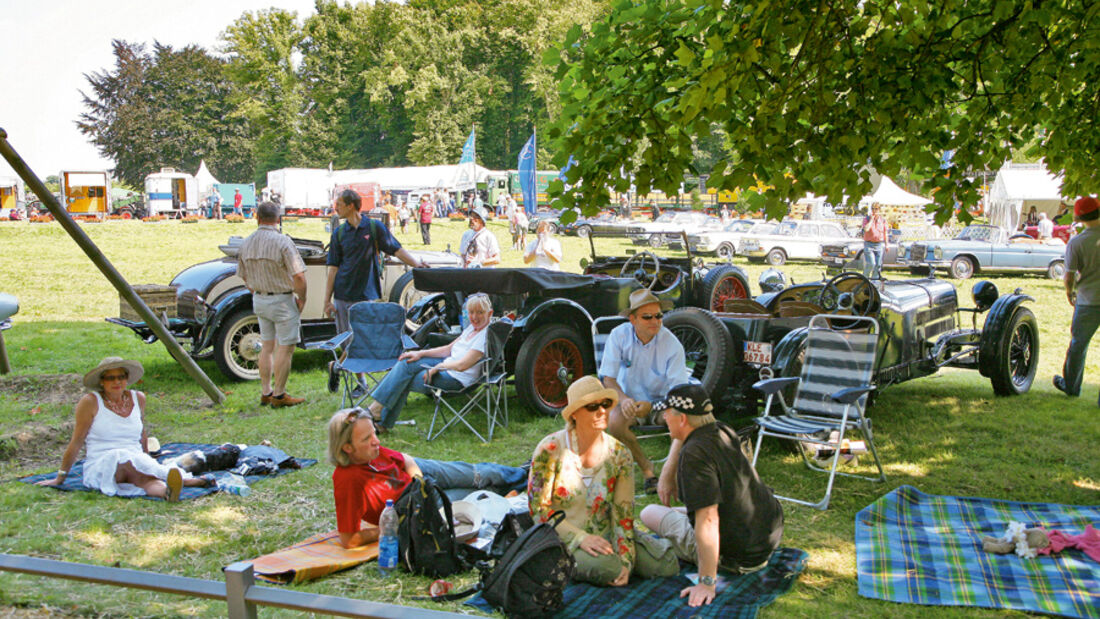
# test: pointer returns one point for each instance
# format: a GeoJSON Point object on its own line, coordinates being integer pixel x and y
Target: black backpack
{"type": "Point", "coordinates": [425, 538]}
{"type": "Point", "coordinates": [529, 579]}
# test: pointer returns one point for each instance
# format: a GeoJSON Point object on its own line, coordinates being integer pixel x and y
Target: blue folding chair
{"type": "Point", "coordinates": [377, 339]}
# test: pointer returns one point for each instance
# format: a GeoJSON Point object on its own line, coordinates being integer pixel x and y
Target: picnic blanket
{"type": "Point", "coordinates": [927, 549]}
{"type": "Point", "coordinates": [74, 480]}
{"type": "Point", "coordinates": [317, 556]}
{"type": "Point", "coordinates": [739, 596]}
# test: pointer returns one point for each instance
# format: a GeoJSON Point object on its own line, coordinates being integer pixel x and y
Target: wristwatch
{"type": "Point", "coordinates": [709, 581]}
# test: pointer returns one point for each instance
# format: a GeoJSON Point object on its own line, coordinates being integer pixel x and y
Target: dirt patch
{"type": "Point", "coordinates": [44, 388]}
{"type": "Point", "coordinates": [35, 442]}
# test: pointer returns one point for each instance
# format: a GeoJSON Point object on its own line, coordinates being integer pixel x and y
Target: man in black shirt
{"type": "Point", "coordinates": [730, 518]}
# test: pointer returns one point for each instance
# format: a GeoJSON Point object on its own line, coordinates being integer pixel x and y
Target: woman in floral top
{"type": "Point", "coordinates": [589, 475]}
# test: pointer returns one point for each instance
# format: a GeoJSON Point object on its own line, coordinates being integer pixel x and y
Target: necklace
{"type": "Point", "coordinates": [116, 406]}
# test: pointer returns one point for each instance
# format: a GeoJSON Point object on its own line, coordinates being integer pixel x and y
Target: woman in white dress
{"type": "Point", "coordinates": [545, 250]}
{"type": "Point", "coordinates": [110, 425]}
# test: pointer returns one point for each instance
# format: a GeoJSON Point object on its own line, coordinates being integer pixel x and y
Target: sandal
{"type": "Point", "coordinates": [650, 485]}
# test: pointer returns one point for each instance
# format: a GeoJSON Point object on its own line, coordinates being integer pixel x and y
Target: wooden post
{"type": "Point", "coordinates": [108, 270]}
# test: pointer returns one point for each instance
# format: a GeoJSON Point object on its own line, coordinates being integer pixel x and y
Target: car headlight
{"type": "Point", "coordinates": [937, 252]}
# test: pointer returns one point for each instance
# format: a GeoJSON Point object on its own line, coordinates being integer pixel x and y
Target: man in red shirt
{"type": "Point", "coordinates": [425, 220]}
{"type": "Point", "coordinates": [237, 200]}
{"type": "Point", "coordinates": [874, 242]}
{"type": "Point", "coordinates": [367, 474]}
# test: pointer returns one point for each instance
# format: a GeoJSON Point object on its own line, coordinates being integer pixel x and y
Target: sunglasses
{"type": "Point", "coordinates": [355, 414]}
{"type": "Point", "coordinates": [658, 316]}
{"type": "Point", "coordinates": [596, 406]}
{"type": "Point", "coordinates": [113, 377]}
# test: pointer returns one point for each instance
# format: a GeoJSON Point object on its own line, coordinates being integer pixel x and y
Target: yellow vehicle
{"type": "Point", "coordinates": [86, 193]}
{"type": "Point", "coordinates": [11, 193]}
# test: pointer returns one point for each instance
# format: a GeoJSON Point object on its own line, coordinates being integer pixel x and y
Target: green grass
{"type": "Point", "coordinates": [946, 434]}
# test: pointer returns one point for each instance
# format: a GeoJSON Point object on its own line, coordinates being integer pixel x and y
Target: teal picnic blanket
{"type": "Point", "coordinates": [927, 549]}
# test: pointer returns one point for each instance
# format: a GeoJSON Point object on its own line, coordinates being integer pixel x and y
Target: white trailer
{"type": "Point", "coordinates": [171, 192]}
{"type": "Point", "coordinates": [86, 193]}
{"type": "Point", "coordinates": [12, 195]}
{"type": "Point", "coordinates": [300, 188]}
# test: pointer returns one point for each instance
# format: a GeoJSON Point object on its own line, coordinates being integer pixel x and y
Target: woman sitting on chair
{"type": "Point", "coordinates": [447, 367]}
{"type": "Point", "coordinates": [110, 424]}
{"type": "Point", "coordinates": [589, 475]}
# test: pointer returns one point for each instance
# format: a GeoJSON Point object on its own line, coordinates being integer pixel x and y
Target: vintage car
{"type": "Point", "coordinates": [723, 243]}
{"type": "Point", "coordinates": [922, 329]}
{"type": "Point", "coordinates": [848, 256]}
{"type": "Point", "coordinates": [982, 248]}
{"type": "Point", "coordinates": [1063, 232]}
{"type": "Point", "coordinates": [792, 240]}
{"type": "Point", "coordinates": [670, 226]}
{"type": "Point", "coordinates": [553, 311]}
{"type": "Point", "coordinates": [213, 309]}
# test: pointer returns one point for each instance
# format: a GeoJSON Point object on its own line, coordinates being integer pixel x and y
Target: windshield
{"type": "Point", "coordinates": [986, 234]}
{"type": "Point", "coordinates": [739, 226]}
{"type": "Point", "coordinates": [666, 218]}
{"type": "Point", "coordinates": [763, 228]}
{"type": "Point", "coordinates": [787, 228]}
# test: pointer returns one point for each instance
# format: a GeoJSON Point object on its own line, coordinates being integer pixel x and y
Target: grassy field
{"type": "Point", "coordinates": [946, 434]}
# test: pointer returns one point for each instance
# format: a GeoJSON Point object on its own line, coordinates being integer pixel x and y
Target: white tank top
{"type": "Point", "coordinates": [110, 431]}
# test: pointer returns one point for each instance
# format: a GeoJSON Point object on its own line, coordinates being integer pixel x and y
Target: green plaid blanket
{"type": "Point", "coordinates": [926, 549]}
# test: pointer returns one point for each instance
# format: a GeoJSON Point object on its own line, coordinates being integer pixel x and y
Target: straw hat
{"type": "Point", "coordinates": [643, 297]}
{"type": "Point", "coordinates": [133, 369]}
{"type": "Point", "coordinates": [585, 390]}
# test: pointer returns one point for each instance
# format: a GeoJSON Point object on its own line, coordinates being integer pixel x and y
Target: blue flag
{"type": "Point", "coordinates": [526, 170]}
{"type": "Point", "coordinates": [468, 149]}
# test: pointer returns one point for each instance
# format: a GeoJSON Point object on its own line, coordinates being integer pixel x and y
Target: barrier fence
{"type": "Point", "coordinates": [239, 591]}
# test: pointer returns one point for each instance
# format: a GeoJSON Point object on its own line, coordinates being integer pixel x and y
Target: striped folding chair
{"type": "Point", "coordinates": [830, 397]}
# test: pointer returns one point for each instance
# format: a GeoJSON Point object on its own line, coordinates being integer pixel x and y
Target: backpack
{"type": "Point", "coordinates": [425, 538]}
{"type": "Point", "coordinates": [528, 581]}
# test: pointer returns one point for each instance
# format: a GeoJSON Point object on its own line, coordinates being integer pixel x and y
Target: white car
{"type": "Point", "coordinates": [724, 242]}
{"type": "Point", "coordinates": [792, 240]}
{"type": "Point", "coordinates": [669, 227]}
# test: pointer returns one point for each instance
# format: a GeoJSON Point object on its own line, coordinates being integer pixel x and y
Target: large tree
{"type": "Point", "coordinates": [813, 95]}
{"type": "Point", "coordinates": [166, 107]}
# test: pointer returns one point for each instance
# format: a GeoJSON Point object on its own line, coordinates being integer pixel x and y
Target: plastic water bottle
{"type": "Point", "coordinates": [234, 484]}
{"type": "Point", "coordinates": [387, 542]}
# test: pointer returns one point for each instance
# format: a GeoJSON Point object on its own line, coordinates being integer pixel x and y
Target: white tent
{"type": "Point", "coordinates": [889, 194]}
{"type": "Point", "coordinates": [205, 180]}
{"type": "Point", "coordinates": [1017, 188]}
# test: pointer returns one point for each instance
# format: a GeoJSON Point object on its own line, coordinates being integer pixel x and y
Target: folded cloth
{"type": "Point", "coordinates": [920, 548]}
{"type": "Point", "coordinates": [167, 453]}
{"type": "Point", "coordinates": [739, 596]}
{"type": "Point", "coordinates": [317, 556]}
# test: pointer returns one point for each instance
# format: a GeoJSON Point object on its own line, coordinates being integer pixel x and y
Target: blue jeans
{"type": "Point", "coordinates": [458, 479]}
{"type": "Point", "coordinates": [1086, 319]}
{"type": "Point", "coordinates": [406, 376]}
{"type": "Point", "coordinates": [872, 259]}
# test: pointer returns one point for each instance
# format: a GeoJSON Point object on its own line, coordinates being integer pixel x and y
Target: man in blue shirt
{"type": "Point", "coordinates": [642, 360]}
{"type": "Point", "coordinates": [355, 262]}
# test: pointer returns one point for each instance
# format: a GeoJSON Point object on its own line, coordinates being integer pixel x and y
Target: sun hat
{"type": "Point", "coordinates": [481, 213]}
{"type": "Point", "coordinates": [467, 520]}
{"type": "Point", "coordinates": [134, 371]}
{"type": "Point", "coordinates": [1085, 205]}
{"type": "Point", "coordinates": [688, 398]}
{"type": "Point", "coordinates": [643, 297]}
{"type": "Point", "coordinates": [493, 506]}
{"type": "Point", "coordinates": [585, 390]}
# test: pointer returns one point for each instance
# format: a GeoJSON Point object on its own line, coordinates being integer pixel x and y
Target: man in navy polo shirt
{"type": "Point", "coordinates": [355, 262]}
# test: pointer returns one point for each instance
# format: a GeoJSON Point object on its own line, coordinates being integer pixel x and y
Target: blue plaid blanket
{"type": "Point", "coordinates": [739, 597]}
{"type": "Point", "coordinates": [926, 549]}
{"type": "Point", "coordinates": [74, 480]}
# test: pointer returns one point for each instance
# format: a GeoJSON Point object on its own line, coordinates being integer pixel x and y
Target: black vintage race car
{"type": "Point", "coordinates": [922, 329]}
{"type": "Point", "coordinates": [553, 311]}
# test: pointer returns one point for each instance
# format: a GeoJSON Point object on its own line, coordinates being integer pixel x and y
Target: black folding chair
{"type": "Point", "coordinates": [485, 395]}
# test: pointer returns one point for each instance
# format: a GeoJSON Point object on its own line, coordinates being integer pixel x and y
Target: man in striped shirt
{"type": "Point", "coordinates": [273, 270]}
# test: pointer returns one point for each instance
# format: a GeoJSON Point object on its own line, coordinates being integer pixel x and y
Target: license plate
{"type": "Point", "coordinates": [758, 352]}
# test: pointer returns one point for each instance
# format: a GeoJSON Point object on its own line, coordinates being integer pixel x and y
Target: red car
{"type": "Point", "coordinates": [1060, 232]}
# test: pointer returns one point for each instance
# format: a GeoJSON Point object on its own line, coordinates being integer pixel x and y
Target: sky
{"type": "Point", "coordinates": [47, 46]}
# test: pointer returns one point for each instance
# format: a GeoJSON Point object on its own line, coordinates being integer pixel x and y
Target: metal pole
{"type": "Point", "coordinates": [108, 270]}
{"type": "Point", "coordinates": [238, 580]}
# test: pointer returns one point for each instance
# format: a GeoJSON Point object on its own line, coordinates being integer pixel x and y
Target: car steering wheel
{"type": "Point", "coordinates": [640, 273]}
{"type": "Point", "coordinates": [864, 294]}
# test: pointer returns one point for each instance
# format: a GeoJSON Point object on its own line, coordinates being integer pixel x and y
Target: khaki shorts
{"type": "Point", "coordinates": [278, 317]}
{"type": "Point", "coordinates": [677, 529]}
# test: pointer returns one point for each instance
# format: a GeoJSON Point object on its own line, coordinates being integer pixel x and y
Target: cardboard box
{"type": "Point", "coordinates": [160, 299]}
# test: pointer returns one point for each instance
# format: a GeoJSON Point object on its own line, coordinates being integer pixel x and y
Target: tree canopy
{"type": "Point", "coordinates": [812, 96]}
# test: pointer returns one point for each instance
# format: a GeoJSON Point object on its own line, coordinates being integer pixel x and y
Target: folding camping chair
{"type": "Point", "coordinates": [831, 394]}
{"type": "Point", "coordinates": [485, 395]}
{"type": "Point", "coordinates": [601, 329]}
{"type": "Point", "coordinates": [377, 339]}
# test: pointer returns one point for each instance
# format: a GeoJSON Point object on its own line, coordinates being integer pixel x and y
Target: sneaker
{"type": "Point", "coordinates": [285, 400]}
{"type": "Point", "coordinates": [650, 485]}
{"type": "Point", "coordinates": [265, 400]}
{"type": "Point", "coordinates": [359, 391]}
{"type": "Point", "coordinates": [1060, 385]}
{"type": "Point", "coordinates": [333, 377]}
{"type": "Point", "coordinates": [175, 485]}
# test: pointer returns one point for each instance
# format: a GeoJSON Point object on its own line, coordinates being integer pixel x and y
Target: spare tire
{"type": "Point", "coordinates": [722, 283]}
{"type": "Point", "coordinates": [708, 347]}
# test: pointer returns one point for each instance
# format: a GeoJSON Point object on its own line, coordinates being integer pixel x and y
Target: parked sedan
{"type": "Point", "coordinates": [792, 240]}
{"type": "Point", "coordinates": [671, 225]}
{"type": "Point", "coordinates": [723, 243]}
{"type": "Point", "coordinates": [984, 248]}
